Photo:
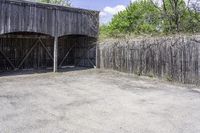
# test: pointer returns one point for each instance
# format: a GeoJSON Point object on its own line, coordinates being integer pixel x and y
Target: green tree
{"type": "Point", "coordinates": [119, 24]}
{"type": "Point", "coordinates": [178, 17]}
{"type": "Point", "coordinates": [104, 31]}
{"type": "Point", "coordinates": [59, 2]}
{"type": "Point", "coordinates": [146, 17]}
{"type": "Point", "coordinates": [139, 17]}
{"type": "Point", "coordinates": [174, 12]}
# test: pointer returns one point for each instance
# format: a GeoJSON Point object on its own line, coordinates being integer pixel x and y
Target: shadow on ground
{"type": "Point", "coordinates": [40, 71]}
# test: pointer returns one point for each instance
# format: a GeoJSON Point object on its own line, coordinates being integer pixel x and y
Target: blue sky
{"type": "Point", "coordinates": [107, 7]}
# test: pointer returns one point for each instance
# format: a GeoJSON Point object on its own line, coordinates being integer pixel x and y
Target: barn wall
{"type": "Point", "coordinates": [172, 58]}
{"type": "Point", "coordinates": [16, 16]}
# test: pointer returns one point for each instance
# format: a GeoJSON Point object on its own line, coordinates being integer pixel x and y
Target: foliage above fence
{"type": "Point", "coordinates": [147, 17]}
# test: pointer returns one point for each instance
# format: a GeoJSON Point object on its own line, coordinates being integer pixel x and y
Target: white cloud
{"type": "Point", "coordinates": [102, 14]}
{"type": "Point", "coordinates": [114, 10]}
{"type": "Point", "coordinates": [108, 12]}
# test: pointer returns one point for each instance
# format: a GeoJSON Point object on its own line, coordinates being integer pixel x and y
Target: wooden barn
{"type": "Point", "coordinates": [44, 36]}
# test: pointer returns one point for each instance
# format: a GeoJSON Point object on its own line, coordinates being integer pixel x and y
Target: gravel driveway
{"type": "Point", "coordinates": [96, 101]}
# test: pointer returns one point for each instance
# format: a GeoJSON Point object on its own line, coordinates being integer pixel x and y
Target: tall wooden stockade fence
{"type": "Point", "coordinates": [173, 58]}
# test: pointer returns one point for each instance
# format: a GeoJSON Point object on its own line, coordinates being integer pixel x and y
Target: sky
{"type": "Point", "coordinates": [107, 8]}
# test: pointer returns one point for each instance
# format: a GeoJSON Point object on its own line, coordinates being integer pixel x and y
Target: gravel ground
{"type": "Point", "coordinates": [96, 101]}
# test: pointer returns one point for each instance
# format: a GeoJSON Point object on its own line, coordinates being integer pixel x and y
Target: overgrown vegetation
{"type": "Point", "coordinates": [145, 17]}
{"type": "Point", "coordinates": [59, 2]}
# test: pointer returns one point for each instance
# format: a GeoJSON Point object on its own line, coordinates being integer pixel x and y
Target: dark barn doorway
{"type": "Point", "coordinates": [34, 51]}
{"type": "Point", "coordinates": [25, 50]}
{"type": "Point", "coordinates": [77, 50]}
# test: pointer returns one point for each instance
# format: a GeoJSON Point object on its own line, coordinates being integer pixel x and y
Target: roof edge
{"type": "Point", "coordinates": [53, 6]}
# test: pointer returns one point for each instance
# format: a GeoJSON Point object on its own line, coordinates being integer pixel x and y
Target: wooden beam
{"type": "Point", "coordinates": [46, 49]}
{"type": "Point", "coordinates": [13, 66]}
{"type": "Point", "coordinates": [55, 62]}
{"type": "Point", "coordinates": [26, 56]}
{"type": "Point", "coordinates": [88, 49]}
{"type": "Point", "coordinates": [89, 58]}
{"type": "Point", "coordinates": [91, 62]}
{"type": "Point", "coordinates": [25, 36]}
{"type": "Point", "coordinates": [66, 55]}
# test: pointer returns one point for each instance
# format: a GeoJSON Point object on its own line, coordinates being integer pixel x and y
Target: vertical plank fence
{"type": "Point", "coordinates": [172, 58]}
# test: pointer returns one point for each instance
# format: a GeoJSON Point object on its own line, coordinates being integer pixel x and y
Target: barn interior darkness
{"type": "Point", "coordinates": [27, 50]}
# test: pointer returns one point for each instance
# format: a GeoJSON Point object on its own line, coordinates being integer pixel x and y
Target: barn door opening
{"type": "Point", "coordinates": [40, 53]}
{"type": "Point", "coordinates": [25, 51]}
{"type": "Point", "coordinates": [77, 50]}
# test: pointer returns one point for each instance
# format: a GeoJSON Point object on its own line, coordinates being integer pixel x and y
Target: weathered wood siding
{"type": "Point", "coordinates": [21, 16]}
{"type": "Point", "coordinates": [173, 58]}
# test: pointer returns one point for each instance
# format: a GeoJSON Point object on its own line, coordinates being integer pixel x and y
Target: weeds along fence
{"type": "Point", "coordinates": [172, 58]}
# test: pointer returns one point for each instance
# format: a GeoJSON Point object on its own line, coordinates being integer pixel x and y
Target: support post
{"type": "Point", "coordinates": [55, 60]}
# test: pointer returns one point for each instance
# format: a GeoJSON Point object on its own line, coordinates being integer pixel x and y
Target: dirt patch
{"type": "Point", "coordinates": [97, 101]}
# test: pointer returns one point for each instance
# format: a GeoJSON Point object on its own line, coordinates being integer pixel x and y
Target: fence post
{"type": "Point", "coordinates": [97, 55]}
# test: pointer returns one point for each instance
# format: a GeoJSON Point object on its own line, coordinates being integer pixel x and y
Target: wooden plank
{"type": "Point", "coordinates": [46, 49]}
